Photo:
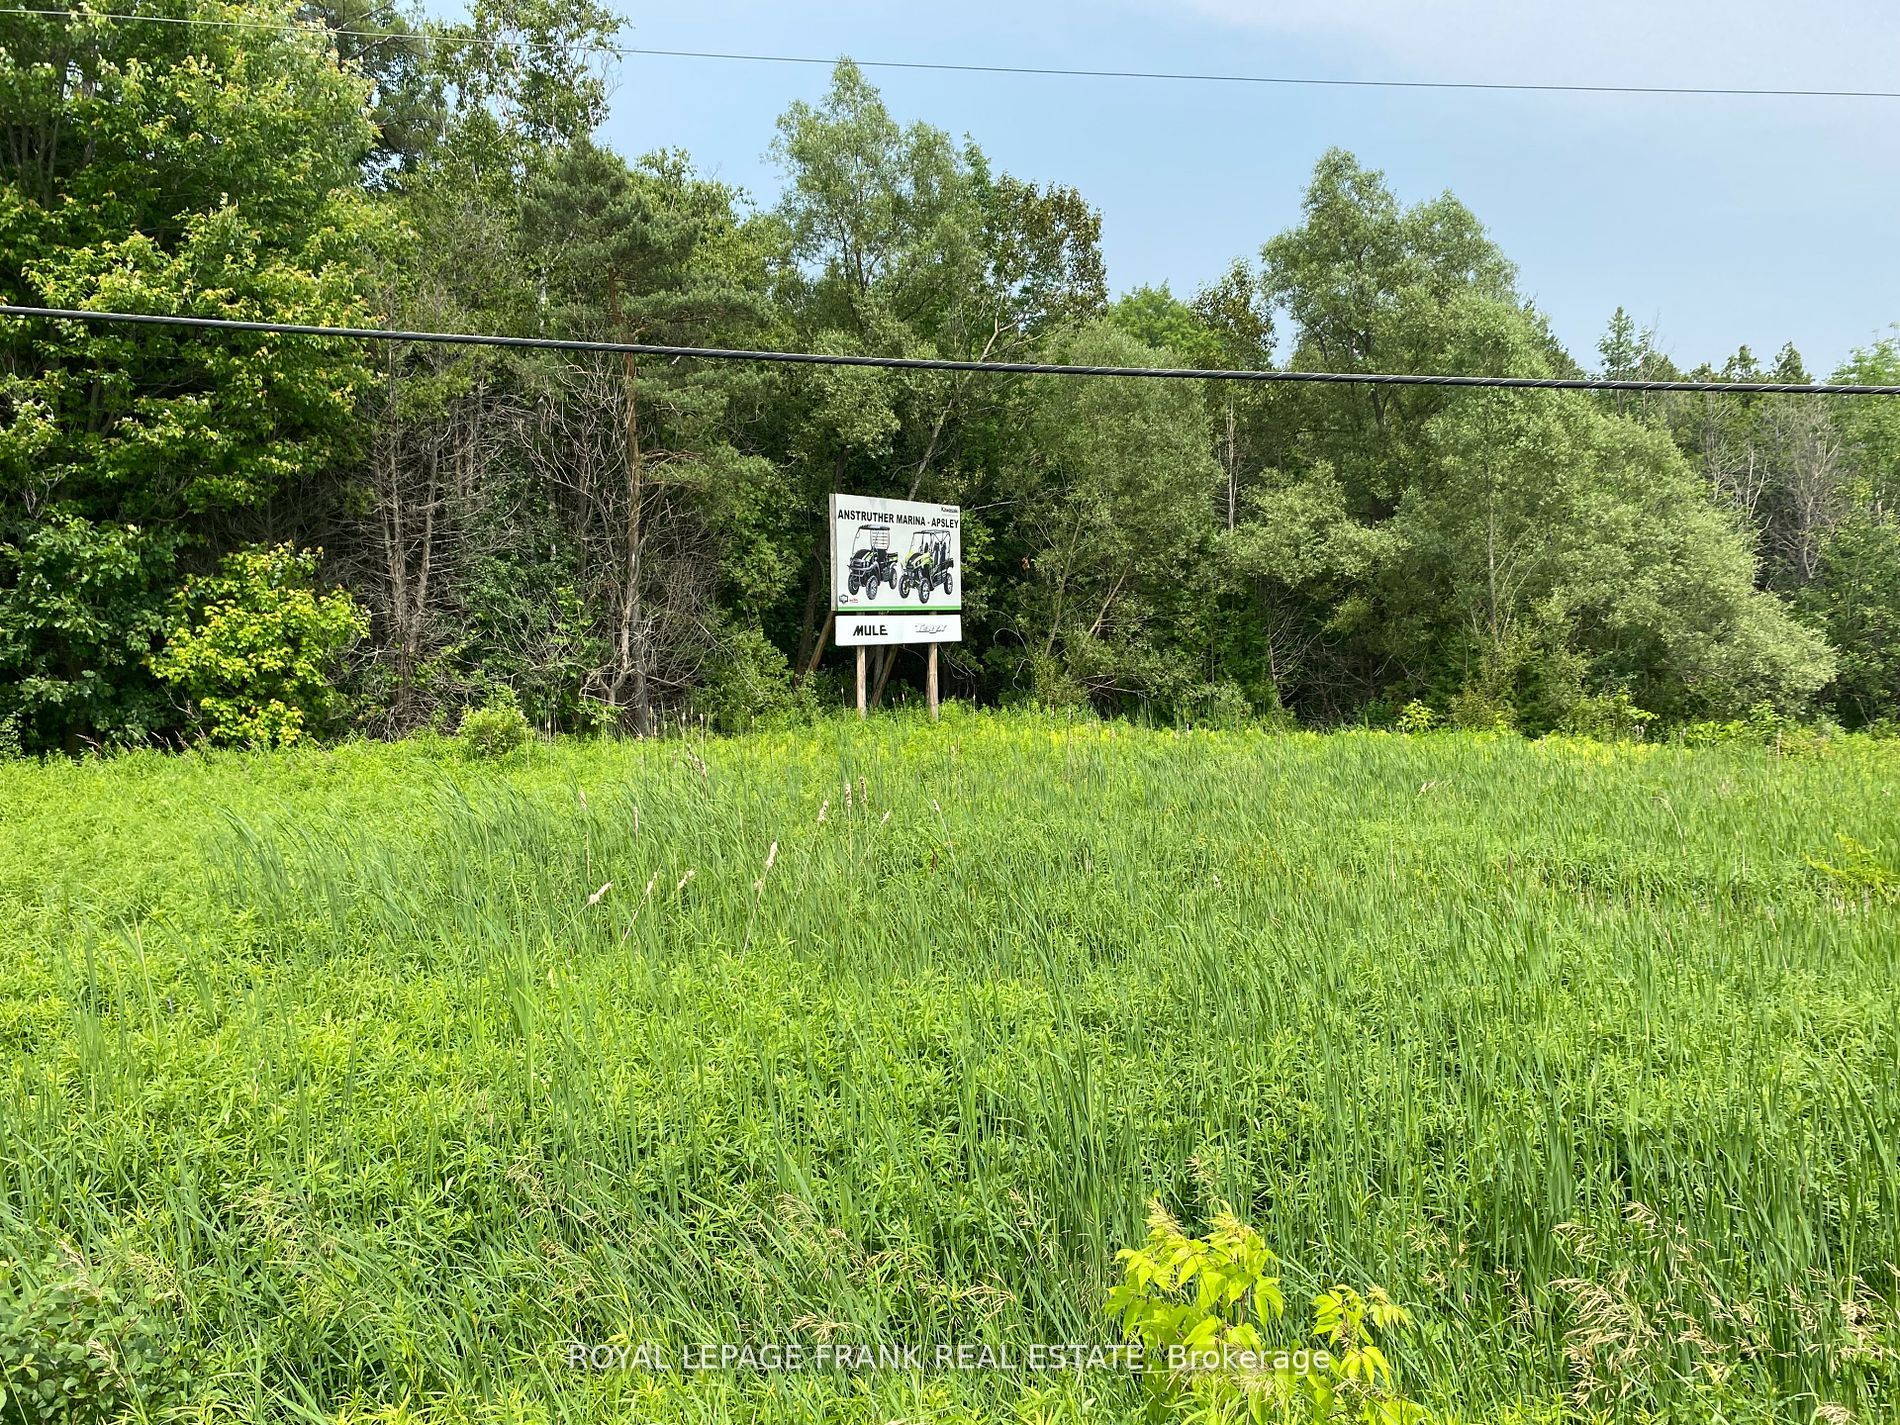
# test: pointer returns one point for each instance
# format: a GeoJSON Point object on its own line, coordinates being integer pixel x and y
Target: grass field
{"type": "Point", "coordinates": [347, 1076]}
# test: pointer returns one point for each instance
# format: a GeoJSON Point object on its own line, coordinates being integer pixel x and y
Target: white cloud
{"type": "Point", "coordinates": [1840, 44]}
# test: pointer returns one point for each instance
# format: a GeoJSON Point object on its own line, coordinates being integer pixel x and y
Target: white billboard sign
{"type": "Point", "coordinates": [896, 570]}
{"type": "Point", "coordinates": [899, 628]}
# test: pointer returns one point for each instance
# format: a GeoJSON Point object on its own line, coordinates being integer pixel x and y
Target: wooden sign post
{"type": "Point", "coordinates": [863, 706]}
{"type": "Point", "coordinates": [930, 683]}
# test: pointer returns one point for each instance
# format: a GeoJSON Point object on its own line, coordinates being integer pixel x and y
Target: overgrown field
{"type": "Point", "coordinates": [348, 1077]}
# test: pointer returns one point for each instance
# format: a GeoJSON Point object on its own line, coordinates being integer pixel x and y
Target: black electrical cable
{"type": "Point", "coordinates": [1045, 71]}
{"type": "Point", "coordinates": [1325, 83]}
{"type": "Point", "coordinates": [933, 363]}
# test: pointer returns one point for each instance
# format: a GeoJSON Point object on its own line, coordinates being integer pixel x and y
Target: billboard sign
{"type": "Point", "coordinates": [896, 570]}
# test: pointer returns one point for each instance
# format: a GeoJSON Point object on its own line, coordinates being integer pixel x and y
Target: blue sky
{"type": "Point", "coordinates": [1717, 221]}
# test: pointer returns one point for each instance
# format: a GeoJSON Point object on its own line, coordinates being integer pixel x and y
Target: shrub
{"type": "Point", "coordinates": [1855, 600]}
{"type": "Point", "coordinates": [73, 1351]}
{"type": "Point", "coordinates": [1857, 872]}
{"type": "Point", "coordinates": [252, 647]}
{"type": "Point", "coordinates": [1205, 1310]}
{"type": "Point", "coordinates": [1415, 717]}
{"type": "Point", "coordinates": [1474, 710]}
{"type": "Point", "coordinates": [749, 680]}
{"type": "Point", "coordinates": [1219, 705]}
{"type": "Point", "coordinates": [1715, 734]}
{"type": "Point", "coordinates": [82, 605]}
{"type": "Point", "coordinates": [1607, 717]}
{"type": "Point", "coordinates": [495, 729]}
{"type": "Point", "coordinates": [1765, 726]}
{"type": "Point", "coordinates": [1052, 685]}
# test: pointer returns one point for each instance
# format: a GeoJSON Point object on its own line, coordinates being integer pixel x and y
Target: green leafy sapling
{"type": "Point", "coordinates": [1206, 1314]}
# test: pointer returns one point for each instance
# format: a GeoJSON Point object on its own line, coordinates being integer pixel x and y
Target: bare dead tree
{"type": "Point", "coordinates": [648, 559]}
{"type": "Point", "coordinates": [433, 443]}
{"type": "Point", "coordinates": [1809, 501]}
{"type": "Point", "coordinates": [1737, 471]}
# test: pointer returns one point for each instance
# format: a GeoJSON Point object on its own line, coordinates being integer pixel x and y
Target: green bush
{"type": "Point", "coordinates": [252, 647]}
{"type": "Point", "coordinates": [1219, 705]}
{"type": "Point", "coordinates": [1715, 734]}
{"type": "Point", "coordinates": [1765, 726]}
{"type": "Point", "coordinates": [1474, 710]}
{"type": "Point", "coordinates": [1207, 1314]}
{"type": "Point", "coordinates": [1855, 600]}
{"type": "Point", "coordinates": [496, 729]}
{"type": "Point", "coordinates": [1858, 872]}
{"type": "Point", "coordinates": [1415, 717]}
{"type": "Point", "coordinates": [749, 681]}
{"type": "Point", "coordinates": [82, 605]}
{"type": "Point", "coordinates": [1052, 685]}
{"type": "Point", "coordinates": [74, 1351]}
{"type": "Point", "coordinates": [1607, 717]}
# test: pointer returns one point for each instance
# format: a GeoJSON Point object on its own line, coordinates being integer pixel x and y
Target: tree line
{"type": "Point", "coordinates": [258, 538]}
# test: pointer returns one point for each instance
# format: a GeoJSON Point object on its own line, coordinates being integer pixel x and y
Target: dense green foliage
{"type": "Point", "coordinates": [251, 647]}
{"type": "Point", "coordinates": [1210, 1315]}
{"type": "Point", "coordinates": [367, 1078]}
{"type": "Point", "coordinates": [624, 544]}
{"type": "Point", "coordinates": [160, 168]}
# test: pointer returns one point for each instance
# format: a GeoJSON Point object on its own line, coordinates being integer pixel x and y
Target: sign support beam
{"type": "Point", "coordinates": [930, 682]}
{"type": "Point", "coordinates": [863, 710]}
{"type": "Point", "coordinates": [824, 637]}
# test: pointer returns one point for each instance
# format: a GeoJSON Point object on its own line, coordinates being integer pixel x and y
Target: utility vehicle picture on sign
{"type": "Point", "coordinates": [896, 573]}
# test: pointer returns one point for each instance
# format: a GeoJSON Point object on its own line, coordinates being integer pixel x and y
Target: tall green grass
{"type": "Point", "coordinates": [346, 1067]}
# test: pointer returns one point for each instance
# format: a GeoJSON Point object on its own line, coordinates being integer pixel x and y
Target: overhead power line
{"type": "Point", "coordinates": [1177, 76]}
{"type": "Point", "coordinates": [1030, 70]}
{"type": "Point", "coordinates": [933, 363]}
